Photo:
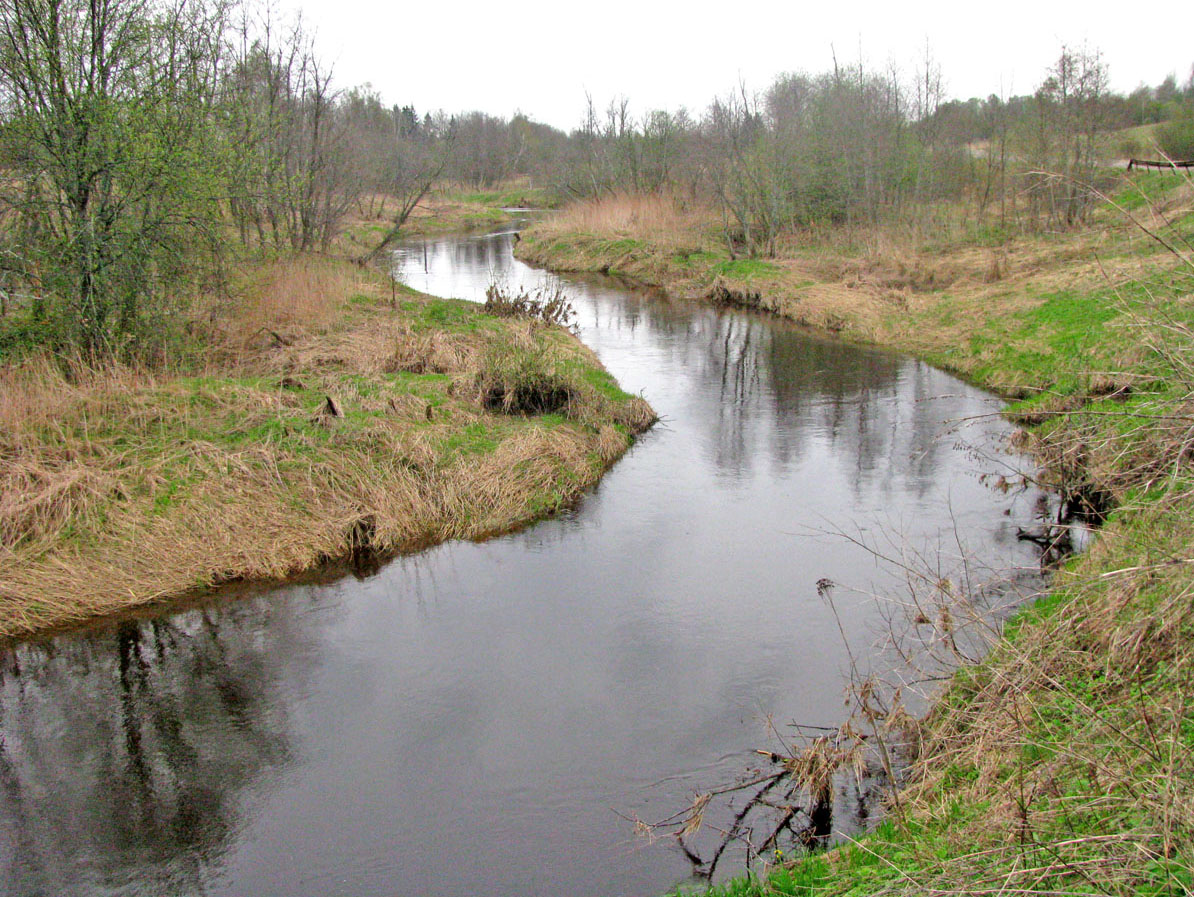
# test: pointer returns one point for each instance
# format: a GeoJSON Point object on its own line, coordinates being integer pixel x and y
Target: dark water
{"type": "Point", "coordinates": [473, 719]}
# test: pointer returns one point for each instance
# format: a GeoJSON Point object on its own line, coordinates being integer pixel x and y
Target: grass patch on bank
{"type": "Point", "coordinates": [321, 422]}
{"type": "Point", "coordinates": [519, 196]}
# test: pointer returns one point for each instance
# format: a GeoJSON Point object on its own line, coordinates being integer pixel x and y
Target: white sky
{"type": "Point", "coordinates": [540, 57]}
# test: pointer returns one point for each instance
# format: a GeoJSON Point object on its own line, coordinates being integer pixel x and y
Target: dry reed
{"type": "Point", "coordinates": [659, 219]}
{"type": "Point", "coordinates": [282, 299]}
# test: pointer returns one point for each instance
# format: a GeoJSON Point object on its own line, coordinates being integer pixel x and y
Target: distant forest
{"type": "Point", "coordinates": [147, 142]}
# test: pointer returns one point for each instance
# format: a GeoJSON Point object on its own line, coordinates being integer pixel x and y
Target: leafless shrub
{"type": "Point", "coordinates": [548, 304]}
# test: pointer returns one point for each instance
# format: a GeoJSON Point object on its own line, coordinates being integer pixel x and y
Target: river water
{"type": "Point", "coordinates": [479, 718]}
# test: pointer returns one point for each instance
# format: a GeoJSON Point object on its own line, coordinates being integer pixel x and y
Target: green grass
{"type": "Point", "coordinates": [604, 383]}
{"type": "Point", "coordinates": [475, 439]}
{"type": "Point", "coordinates": [1055, 347]}
{"type": "Point", "coordinates": [449, 315]}
{"type": "Point", "coordinates": [747, 269]}
{"type": "Point", "coordinates": [620, 246]}
{"type": "Point", "coordinates": [485, 217]}
{"type": "Point", "coordinates": [1143, 188]}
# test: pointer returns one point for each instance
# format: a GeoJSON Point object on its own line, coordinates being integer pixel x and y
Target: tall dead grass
{"type": "Point", "coordinates": [41, 389]}
{"type": "Point", "coordinates": [286, 297]}
{"type": "Point", "coordinates": [49, 475]}
{"type": "Point", "coordinates": [659, 219]}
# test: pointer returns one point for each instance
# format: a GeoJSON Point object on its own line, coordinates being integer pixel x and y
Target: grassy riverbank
{"type": "Point", "coordinates": [447, 209]}
{"type": "Point", "coordinates": [317, 416]}
{"type": "Point", "coordinates": [1063, 763]}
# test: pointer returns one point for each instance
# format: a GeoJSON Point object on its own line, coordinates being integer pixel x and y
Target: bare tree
{"type": "Point", "coordinates": [413, 167]}
{"type": "Point", "coordinates": [1071, 113]}
{"type": "Point", "coordinates": [293, 174]}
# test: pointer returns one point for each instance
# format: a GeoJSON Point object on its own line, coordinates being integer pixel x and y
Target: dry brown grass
{"type": "Point", "coordinates": [431, 353]}
{"type": "Point", "coordinates": [38, 390]}
{"type": "Point", "coordinates": [120, 486]}
{"type": "Point", "coordinates": [247, 519]}
{"type": "Point", "coordinates": [659, 219]}
{"type": "Point", "coordinates": [279, 300]}
{"type": "Point", "coordinates": [46, 479]}
{"type": "Point", "coordinates": [1074, 736]}
{"type": "Point", "coordinates": [909, 284]}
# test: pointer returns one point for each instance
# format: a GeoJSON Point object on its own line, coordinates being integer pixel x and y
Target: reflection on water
{"type": "Point", "coordinates": [469, 719]}
{"type": "Point", "coordinates": [125, 752]}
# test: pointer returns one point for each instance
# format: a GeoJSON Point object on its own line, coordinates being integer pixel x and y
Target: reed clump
{"type": "Point", "coordinates": [657, 218]}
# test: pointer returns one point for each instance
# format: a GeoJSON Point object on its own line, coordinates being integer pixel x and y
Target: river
{"type": "Point", "coordinates": [479, 718]}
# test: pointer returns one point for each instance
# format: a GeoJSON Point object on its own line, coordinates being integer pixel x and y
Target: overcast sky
{"type": "Point", "coordinates": [541, 57]}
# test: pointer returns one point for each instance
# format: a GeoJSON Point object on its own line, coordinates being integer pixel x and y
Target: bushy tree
{"type": "Point", "coordinates": [1176, 137]}
{"type": "Point", "coordinates": [106, 110]}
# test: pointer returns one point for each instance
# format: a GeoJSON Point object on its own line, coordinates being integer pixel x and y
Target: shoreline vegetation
{"type": "Point", "coordinates": [321, 417]}
{"type": "Point", "coordinates": [193, 391]}
{"type": "Point", "coordinates": [1064, 761]}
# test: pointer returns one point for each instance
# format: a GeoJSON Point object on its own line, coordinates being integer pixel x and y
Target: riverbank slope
{"type": "Point", "coordinates": [322, 415]}
{"type": "Point", "coordinates": [1064, 762]}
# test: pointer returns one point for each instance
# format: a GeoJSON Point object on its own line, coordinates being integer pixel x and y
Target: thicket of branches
{"type": "Point", "coordinates": [857, 146]}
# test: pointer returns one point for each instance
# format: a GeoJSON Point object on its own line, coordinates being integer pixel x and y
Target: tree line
{"type": "Point", "coordinates": [146, 142]}
{"type": "Point", "coordinates": [855, 145]}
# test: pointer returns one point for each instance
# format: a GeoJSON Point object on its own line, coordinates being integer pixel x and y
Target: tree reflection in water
{"type": "Point", "coordinates": [138, 747]}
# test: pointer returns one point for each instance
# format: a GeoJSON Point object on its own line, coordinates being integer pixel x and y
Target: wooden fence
{"type": "Point", "coordinates": [1164, 164]}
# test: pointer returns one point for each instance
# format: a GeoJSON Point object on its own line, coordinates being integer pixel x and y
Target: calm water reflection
{"type": "Point", "coordinates": [468, 720]}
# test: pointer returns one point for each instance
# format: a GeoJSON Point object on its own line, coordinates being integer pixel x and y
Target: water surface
{"type": "Point", "coordinates": [475, 718]}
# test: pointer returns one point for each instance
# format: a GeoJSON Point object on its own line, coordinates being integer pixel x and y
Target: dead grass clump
{"type": "Point", "coordinates": [517, 380]}
{"type": "Point", "coordinates": [287, 297]}
{"type": "Point", "coordinates": [430, 353]}
{"type": "Point", "coordinates": [892, 268]}
{"type": "Point", "coordinates": [39, 500]}
{"type": "Point", "coordinates": [52, 474]}
{"type": "Point", "coordinates": [268, 509]}
{"type": "Point", "coordinates": [998, 268]}
{"type": "Point", "coordinates": [547, 304]}
{"type": "Point", "coordinates": [1074, 736]}
{"type": "Point", "coordinates": [636, 415]}
{"type": "Point", "coordinates": [723, 295]}
{"type": "Point", "coordinates": [657, 218]}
